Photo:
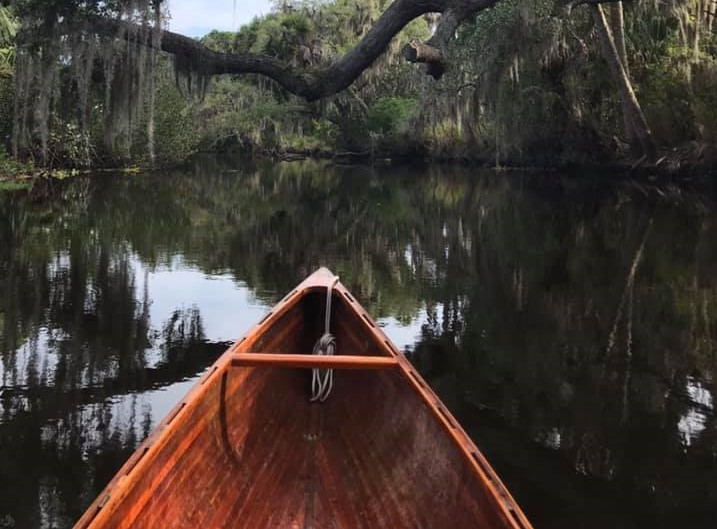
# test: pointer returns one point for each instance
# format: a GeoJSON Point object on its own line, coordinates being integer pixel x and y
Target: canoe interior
{"type": "Point", "coordinates": [250, 451]}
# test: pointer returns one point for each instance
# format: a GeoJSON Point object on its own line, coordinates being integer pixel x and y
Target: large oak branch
{"type": "Point", "coordinates": [311, 84]}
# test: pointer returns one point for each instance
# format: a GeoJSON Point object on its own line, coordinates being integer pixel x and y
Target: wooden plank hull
{"type": "Point", "coordinates": [246, 449]}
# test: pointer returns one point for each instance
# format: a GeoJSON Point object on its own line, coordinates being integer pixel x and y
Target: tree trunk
{"type": "Point", "coordinates": [617, 16]}
{"type": "Point", "coordinates": [630, 104]}
{"type": "Point", "coordinates": [617, 22]}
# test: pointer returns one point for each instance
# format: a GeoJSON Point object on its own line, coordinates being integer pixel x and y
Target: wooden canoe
{"type": "Point", "coordinates": [246, 449]}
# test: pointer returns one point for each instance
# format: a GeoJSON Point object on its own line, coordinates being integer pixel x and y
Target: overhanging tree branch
{"type": "Point", "coordinates": [313, 84]}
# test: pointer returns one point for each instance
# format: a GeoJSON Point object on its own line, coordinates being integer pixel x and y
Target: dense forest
{"type": "Point", "coordinates": [516, 82]}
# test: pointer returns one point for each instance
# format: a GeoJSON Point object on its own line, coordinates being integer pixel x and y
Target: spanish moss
{"type": "Point", "coordinates": [89, 67]}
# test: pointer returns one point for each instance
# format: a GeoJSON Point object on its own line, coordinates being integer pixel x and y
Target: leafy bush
{"type": "Point", "coordinates": [176, 133]}
{"type": "Point", "coordinates": [11, 167]}
{"type": "Point", "coordinates": [705, 94]}
{"type": "Point", "coordinates": [389, 114]}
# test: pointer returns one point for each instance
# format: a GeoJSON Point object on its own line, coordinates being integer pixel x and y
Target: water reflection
{"type": "Point", "coordinates": [569, 324]}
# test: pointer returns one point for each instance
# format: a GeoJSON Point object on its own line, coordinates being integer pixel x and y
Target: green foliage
{"type": "Point", "coordinates": [7, 60]}
{"type": "Point", "coordinates": [238, 113]}
{"type": "Point", "coordinates": [8, 25]}
{"type": "Point", "coordinates": [675, 61]}
{"type": "Point", "coordinates": [176, 132]}
{"type": "Point", "coordinates": [705, 105]}
{"type": "Point", "coordinates": [223, 41]}
{"type": "Point", "coordinates": [389, 114]}
{"type": "Point", "coordinates": [254, 113]}
{"type": "Point", "coordinates": [8, 28]}
{"type": "Point", "coordinates": [667, 101]}
{"type": "Point", "coordinates": [9, 167]}
{"type": "Point", "coordinates": [70, 147]}
{"type": "Point", "coordinates": [526, 82]}
{"type": "Point", "coordinates": [14, 185]}
{"type": "Point", "coordinates": [302, 143]}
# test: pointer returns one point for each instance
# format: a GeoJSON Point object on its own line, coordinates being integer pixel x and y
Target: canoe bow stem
{"type": "Point", "coordinates": [322, 380]}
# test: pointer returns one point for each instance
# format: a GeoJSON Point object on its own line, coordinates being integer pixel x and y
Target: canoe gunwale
{"type": "Point", "coordinates": [239, 355]}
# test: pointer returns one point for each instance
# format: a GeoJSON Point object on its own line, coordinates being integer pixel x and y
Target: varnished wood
{"type": "Point", "coordinates": [246, 449]}
{"type": "Point", "coordinates": [313, 361]}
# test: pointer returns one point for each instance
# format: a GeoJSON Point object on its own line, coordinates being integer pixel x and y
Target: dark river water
{"type": "Point", "coordinates": [569, 323]}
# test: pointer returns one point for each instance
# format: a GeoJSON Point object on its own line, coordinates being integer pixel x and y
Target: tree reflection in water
{"type": "Point", "coordinates": [569, 323]}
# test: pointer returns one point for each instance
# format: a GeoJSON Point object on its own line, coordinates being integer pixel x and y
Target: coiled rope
{"type": "Point", "coordinates": [322, 380]}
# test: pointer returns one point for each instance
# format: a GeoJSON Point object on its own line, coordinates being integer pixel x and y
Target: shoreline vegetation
{"type": "Point", "coordinates": [524, 85]}
{"type": "Point", "coordinates": [684, 163]}
{"type": "Point", "coordinates": [671, 165]}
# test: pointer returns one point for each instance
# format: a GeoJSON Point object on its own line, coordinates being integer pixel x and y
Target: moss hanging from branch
{"type": "Point", "coordinates": [63, 57]}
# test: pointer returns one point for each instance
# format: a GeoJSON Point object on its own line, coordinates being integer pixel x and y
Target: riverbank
{"type": "Point", "coordinates": [23, 179]}
{"type": "Point", "coordinates": [687, 162]}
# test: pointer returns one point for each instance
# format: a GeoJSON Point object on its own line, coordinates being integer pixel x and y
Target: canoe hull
{"type": "Point", "coordinates": [246, 448]}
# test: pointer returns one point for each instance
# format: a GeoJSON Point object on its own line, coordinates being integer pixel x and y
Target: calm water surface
{"type": "Point", "coordinates": [570, 324]}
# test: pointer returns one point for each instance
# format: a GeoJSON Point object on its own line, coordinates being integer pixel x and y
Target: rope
{"type": "Point", "coordinates": [322, 380]}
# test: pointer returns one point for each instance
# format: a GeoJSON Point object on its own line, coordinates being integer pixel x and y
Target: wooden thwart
{"type": "Point", "coordinates": [314, 361]}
